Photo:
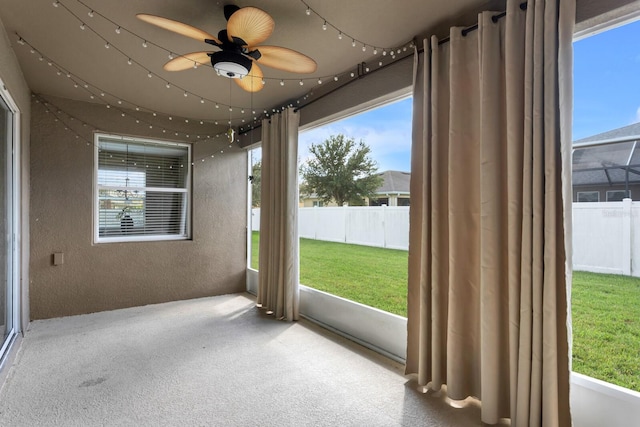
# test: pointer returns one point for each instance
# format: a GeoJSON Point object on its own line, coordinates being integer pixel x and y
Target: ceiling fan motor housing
{"type": "Point", "coordinates": [233, 65]}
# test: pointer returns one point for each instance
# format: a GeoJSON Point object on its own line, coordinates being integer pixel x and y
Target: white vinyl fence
{"type": "Point", "coordinates": [381, 226]}
{"type": "Point", "coordinates": [606, 236]}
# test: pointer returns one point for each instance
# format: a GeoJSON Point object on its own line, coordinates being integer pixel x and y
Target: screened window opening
{"type": "Point", "coordinates": [142, 189]}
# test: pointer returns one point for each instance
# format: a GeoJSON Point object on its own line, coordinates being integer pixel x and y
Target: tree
{"type": "Point", "coordinates": [255, 184]}
{"type": "Point", "coordinates": [340, 170]}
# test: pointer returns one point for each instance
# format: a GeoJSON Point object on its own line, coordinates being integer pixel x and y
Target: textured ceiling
{"type": "Point", "coordinates": [64, 55]}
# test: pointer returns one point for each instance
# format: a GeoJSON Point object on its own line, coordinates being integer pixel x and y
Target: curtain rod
{"type": "Point", "coordinates": [360, 74]}
{"type": "Point", "coordinates": [494, 18]}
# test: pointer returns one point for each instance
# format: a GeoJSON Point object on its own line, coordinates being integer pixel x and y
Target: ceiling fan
{"type": "Point", "coordinates": [240, 52]}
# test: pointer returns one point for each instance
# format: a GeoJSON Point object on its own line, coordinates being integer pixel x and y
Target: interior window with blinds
{"type": "Point", "coordinates": [142, 189]}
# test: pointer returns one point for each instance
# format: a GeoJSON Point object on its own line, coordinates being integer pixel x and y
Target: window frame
{"type": "Point", "coordinates": [586, 192]}
{"type": "Point", "coordinates": [628, 195]}
{"type": "Point", "coordinates": [187, 190]}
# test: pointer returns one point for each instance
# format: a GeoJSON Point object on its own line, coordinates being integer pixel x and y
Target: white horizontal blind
{"type": "Point", "coordinates": [142, 189]}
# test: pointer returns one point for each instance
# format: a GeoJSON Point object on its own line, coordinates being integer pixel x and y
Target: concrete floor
{"type": "Point", "coordinates": [208, 362]}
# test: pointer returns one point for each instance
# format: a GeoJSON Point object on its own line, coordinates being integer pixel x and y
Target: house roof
{"type": "Point", "coordinates": [597, 165]}
{"type": "Point", "coordinates": [394, 182]}
{"type": "Point", "coordinates": [625, 131]}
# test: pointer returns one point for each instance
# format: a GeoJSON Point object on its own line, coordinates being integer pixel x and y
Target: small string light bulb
{"type": "Point", "coordinates": [82, 26]}
{"type": "Point", "coordinates": [301, 83]}
{"type": "Point", "coordinates": [129, 61]}
{"type": "Point", "coordinates": [340, 35]}
{"type": "Point", "coordinates": [144, 43]}
{"type": "Point", "coordinates": [308, 11]}
{"type": "Point", "coordinates": [324, 26]}
{"type": "Point", "coordinates": [90, 13]}
{"type": "Point", "coordinates": [118, 30]}
{"type": "Point", "coordinates": [21, 41]}
{"type": "Point", "coordinates": [281, 82]}
{"type": "Point", "coordinates": [364, 48]}
{"type": "Point", "coordinates": [353, 43]}
{"type": "Point", "coordinates": [56, 3]}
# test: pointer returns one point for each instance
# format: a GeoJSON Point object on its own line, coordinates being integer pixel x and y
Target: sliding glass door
{"type": "Point", "coordinates": [7, 227]}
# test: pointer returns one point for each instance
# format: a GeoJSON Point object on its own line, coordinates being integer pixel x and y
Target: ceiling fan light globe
{"type": "Point", "coordinates": [230, 70]}
{"type": "Point", "coordinates": [230, 64]}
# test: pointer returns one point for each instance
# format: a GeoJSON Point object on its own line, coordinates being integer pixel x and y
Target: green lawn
{"type": "Point", "coordinates": [371, 276]}
{"type": "Point", "coordinates": [606, 308]}
{"type": "Point", "coordinates": [606, 327]}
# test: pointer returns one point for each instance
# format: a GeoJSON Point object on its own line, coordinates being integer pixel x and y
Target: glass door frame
{"type": "Point", "coordinates": [13, 200]}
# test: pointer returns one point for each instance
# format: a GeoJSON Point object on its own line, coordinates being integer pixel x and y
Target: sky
{"type": "Point", "coordinates": [606, 81]}
{"type": "Point", "coordinates": [386, 130]}
{"type": "Point", "coordinates": [606, 96]}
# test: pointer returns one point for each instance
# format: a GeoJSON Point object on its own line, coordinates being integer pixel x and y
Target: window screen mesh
{"type": "Point", "coordinates": [142, 189]}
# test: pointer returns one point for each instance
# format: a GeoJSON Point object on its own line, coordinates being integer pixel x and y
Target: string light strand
{"type": "Point", "coordinates": [65, 119]}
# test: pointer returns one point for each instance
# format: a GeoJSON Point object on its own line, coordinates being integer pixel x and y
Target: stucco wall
{"type": "Point", "coordinates": [96, 277]}
{"type": "Point", "coordinates": [13, 79]}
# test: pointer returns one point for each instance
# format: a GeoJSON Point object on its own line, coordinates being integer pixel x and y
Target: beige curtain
{"type": "Point", "coordinates": [488, 278]}
{"type": "Point", "coordinates": [278, 274]}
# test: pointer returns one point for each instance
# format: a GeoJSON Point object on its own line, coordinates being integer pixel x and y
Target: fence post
{"type": "Point", "coordinates": [384, 226]}
{"type": "Point", "coordinates": [346, 224]}
{"type": "Point", "coordinates": [315, 223]}
{"type": "Point", "coordinates": [626, 237]}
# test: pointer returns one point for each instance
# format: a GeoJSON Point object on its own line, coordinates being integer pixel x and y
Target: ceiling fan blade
{"type": "Point", "coordinates": [252, 82]}
{"type": "Point", "coordinates": [187, 61]}
{"type": "Point", "coordinates": [177, 27]}
{"type": "Point", "coordinates": [251, 25]}
{"type": "Point", "coordinates": [285, 59]}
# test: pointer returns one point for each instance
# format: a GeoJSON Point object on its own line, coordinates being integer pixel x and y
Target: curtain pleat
{"type": "Point", "coordinates": [278, 275]}
{"type": "Point", "coordinates": [488, 269]}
